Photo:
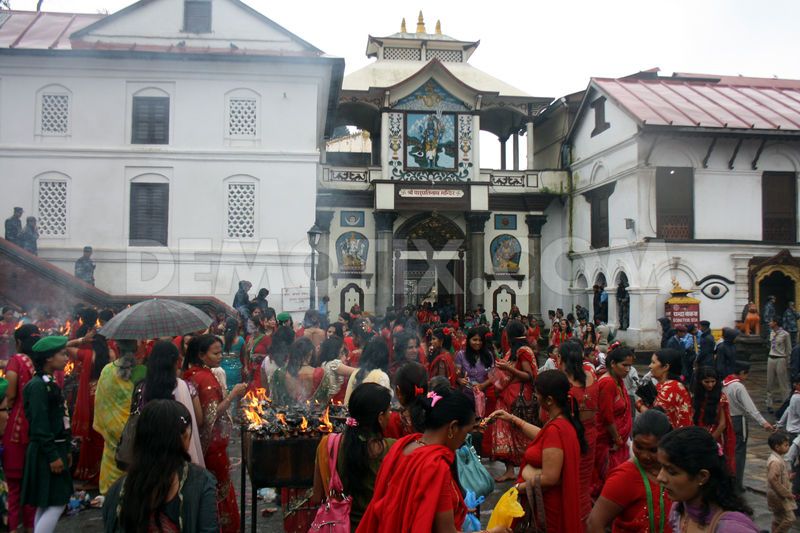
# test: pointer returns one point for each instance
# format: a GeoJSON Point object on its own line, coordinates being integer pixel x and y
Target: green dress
{"type": "Point", "coordinates": [49, 440]}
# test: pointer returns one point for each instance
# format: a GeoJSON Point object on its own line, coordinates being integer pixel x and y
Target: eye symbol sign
{"type": "Point", "coordinates": [714, 286]}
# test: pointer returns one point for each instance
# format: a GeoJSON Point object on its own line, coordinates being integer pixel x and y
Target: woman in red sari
{"type": "Point", "coordinates": [205, 353]}
{"type": "Point", "coordinates": [416, 490]}
{"type": "Point", "coordinates": [441, 357]}
{"type": "Point", "coordinates": [19, 372]}
{"type": "Point", "coordinates": [614, 419]}
{"type": "Point", "coordinates": [257, 347]}
{"type": "Point", "coordinates": [410, 382]}
{"type": "Point", "coordinates": [553, 458]}
{"type": "Point", "coordinates": [712, 412]}
{"type": "Point", "coordinates": [632, 500]}
{"type": "Point", "coordinates": [584, 390]}
{"type": "Point", "coordinates": [673, 398]}
{"type": "Point", "coordinates": [94, 355]}
{"type": "Point", "coordinates": [508, 442]}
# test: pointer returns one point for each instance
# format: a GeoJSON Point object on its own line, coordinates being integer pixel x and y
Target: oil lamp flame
{"type": "Point", "coordinates": [281, 418]}
{"type": "Point", "coordinates": [69, 368]}
{"type": "Point", "coordinates": [326, 425]}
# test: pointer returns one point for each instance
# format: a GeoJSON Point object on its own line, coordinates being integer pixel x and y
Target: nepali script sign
{"type": "Point", "coordinates": [295, 299]}
{"type": "Point", "coordinates": [683, 313]}
{"type": "Point", "coordinates": [431, 193]}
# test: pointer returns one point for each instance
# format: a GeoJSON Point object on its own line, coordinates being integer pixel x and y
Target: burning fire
{"type": "Point", "coordinates": [69, 368]}
{"type": "Point", "coordinates": [304, 424]}
{"type": "Point", "coordinates": [326, 425]}
{"type": "Point", "coordinates": [251, 406]}
{"type": "Point", "coordinates": [19, 324]}
{"type": "Point", "coordinates": [281, 418]}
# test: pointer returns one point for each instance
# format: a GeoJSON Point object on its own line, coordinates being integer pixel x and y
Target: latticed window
{"type": "Point", "coordinates": [52, 208]}
{"type": "Point", "coordinates": [55, 114]}
{"type": "Point", "coordinates": [241, 210]}
{"type": "Point", "coordinates": [452, 56]}
{"type": "Point", "coordinates": [402, 54]}
{"type": "Point", "coordinates": [242, 117]}
{"type": "Point", "coordinates": [674, 203]}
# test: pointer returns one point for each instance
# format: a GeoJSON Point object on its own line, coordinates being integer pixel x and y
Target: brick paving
{"type": "Point", "coordinates": [755, 479]}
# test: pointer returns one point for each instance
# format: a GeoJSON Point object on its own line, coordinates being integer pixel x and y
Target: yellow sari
{"type": "Point", "coordinates": [112, 405]}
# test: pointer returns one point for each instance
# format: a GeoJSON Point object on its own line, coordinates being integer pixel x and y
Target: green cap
{"type": "Point", "coordinates": [283, 317]}
{"type": "Point", "coordinates": [47, 344]}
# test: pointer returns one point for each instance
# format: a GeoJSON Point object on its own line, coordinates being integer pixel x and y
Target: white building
{"type": "Point", "coordinates": [180, 138]}
{"type": "Point", "coordinates": [689, 177]}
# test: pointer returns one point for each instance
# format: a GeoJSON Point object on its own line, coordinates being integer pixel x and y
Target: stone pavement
{"type": "Point", "coordinates": [755, 477]}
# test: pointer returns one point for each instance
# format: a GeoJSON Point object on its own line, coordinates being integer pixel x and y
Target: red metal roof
{"type": "Point", "coordinates": [29, 29]}
{"type": "Point", "coordinates": [708, 101]}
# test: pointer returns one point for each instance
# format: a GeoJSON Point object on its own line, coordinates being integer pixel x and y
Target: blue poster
{"type": "Point", "coordinates": [431, 141]}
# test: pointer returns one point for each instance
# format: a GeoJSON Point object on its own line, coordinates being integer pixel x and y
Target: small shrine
{"type": "Point", "coordinates": [680, 308]}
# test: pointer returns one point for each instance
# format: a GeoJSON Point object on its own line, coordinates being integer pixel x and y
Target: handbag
{"type": "Point", "coordinates": [124, 453]}
{"type": "Point", "coordinates": [480, 403]}
{"type": "Point", "coordinates": [333, 516]}
{"type": "Point", "coordinates": [534, 520]}
{"type": "Point", "coordinates": [472, 476]}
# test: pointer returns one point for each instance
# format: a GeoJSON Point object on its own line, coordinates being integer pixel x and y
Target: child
{"type": "Point", "coordinates": [46, 483]}
{"type": "Point", "coordinates": [779, 490]}
{"type": "Point", "coordinates": [552, 354]}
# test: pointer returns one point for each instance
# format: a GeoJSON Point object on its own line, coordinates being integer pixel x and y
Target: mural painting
{"type": "Point", "coordinates": [506, 252]}
{"type": "Point", "coordinates": [431, 141]}
{"type": "Point", "coordinates": [351, 251]}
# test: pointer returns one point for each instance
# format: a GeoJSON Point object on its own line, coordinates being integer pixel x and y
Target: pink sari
{"type": "Point", "coordinates": [508, 442]}
{"type": "Point", "coordinates": [15, 444]}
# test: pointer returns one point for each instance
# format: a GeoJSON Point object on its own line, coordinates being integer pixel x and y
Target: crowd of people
{"type": "Point", "coordinates": [588, 443]}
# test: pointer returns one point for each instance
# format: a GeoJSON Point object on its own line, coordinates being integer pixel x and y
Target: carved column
{"type": "Point", "coordinates": [535, 223]}
{"type": "Point", "coordinates": [384, 246]}
{"type": "Point", "coordinates": [476, 224]}
{"type": "Point", "coordinates": [503, 153]}
{"type": "Point", "coordinates": [515, 145]}
{"type": "Point", "coordinates": [323, 222]}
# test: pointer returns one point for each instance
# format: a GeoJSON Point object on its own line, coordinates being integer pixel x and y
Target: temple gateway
{"type": "Point", "coordinates": [410, 215]}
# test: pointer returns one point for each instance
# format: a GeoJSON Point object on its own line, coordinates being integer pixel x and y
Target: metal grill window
{"type": "Point", "coordinates": [402, 54]}
{"type": "Point", "coordinates": [242, 117]}
{"type": "Point", "coordinates": [55, 114]}
{"type": "Point", "coordinates": [52, 208]}
{"type": "Point", "coordinates": [451, 56]}
{"type": "Point", "coordinates": [241, 210]}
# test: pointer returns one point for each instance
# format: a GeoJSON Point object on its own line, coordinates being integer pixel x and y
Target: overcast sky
{"type": "Point", "coordinates": [552, 48]}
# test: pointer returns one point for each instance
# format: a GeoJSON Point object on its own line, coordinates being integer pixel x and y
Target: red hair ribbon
{"type": "Point", "coordinates": [446, 331]}
{"type": "Point", "coordinates": [489, 335]}
{"type": "Point", "coordinates": [614, 345]}
{"type": "Point", "coordinates": [418, 391]}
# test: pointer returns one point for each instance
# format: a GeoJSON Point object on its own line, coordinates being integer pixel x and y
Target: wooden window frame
{"type": "Point", "coordinates": [195, 22]}
{"type": "Point", "coordinates": [768, 221]}
{"type": "Point", "coordinates": [600, 124]}
{"type": "Point", "coordinates": [138, 103]}
{"type": "Point", "coordinates": [665, 228]}
{"type": "Point", "coordinates": [139, 234]}
{"type": "Point", "coordinates": [599, 232]}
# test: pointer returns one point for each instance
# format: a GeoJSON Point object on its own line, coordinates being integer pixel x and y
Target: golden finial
{"type": "Point", "coordinates": [438, 27]}
{"type": "Point", "coordinates": [421, 23]}
{"type": "Point", "coordinates": [403, 26]}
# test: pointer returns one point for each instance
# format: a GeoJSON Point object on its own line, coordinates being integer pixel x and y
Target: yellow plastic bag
{"type": "Point", "coordinates": [506, 510]}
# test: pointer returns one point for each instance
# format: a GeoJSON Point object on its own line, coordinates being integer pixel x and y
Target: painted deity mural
{"type": "Point", "coordinates": [431, 141]}
{"type": "Point", "coordinates": [506, 252]}
{"type": "Point", "coordinates": [430, 137]}
{"type": "Point", "coordinates": [351, 251]}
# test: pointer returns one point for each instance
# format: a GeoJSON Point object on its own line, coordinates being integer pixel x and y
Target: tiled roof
{"type": "Point", "coordinates": [44, 31]}
{"type": "Point", "coordinates": [707, 101]}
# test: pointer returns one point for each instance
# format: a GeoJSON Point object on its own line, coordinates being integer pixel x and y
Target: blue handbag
{"type": "Point", "coordinates": [471, 473]}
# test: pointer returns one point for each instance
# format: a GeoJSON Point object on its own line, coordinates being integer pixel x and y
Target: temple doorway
{"type": "Point", "coordinates": [779, 285]}
{"type": "Point", "coordinates": [429, 264]}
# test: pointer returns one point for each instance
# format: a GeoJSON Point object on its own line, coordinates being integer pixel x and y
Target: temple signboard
{"type": "Point", "coordinates": [680, 308]}
{"type": "Point", "coordinates": [416, 196]}
{"type": "Point", "coordinates": [431, 193]}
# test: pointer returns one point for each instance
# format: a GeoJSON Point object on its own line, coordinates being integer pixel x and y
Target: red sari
{"type": "Point", "coordinates": [444, 365]}
{"type": "Point", "coordinates": [615, 408]}
{"type": "Point", "coordinates": [587, 399]}
{"type": "Point", "coordinates": [91, 452]}
{"type": "Point", "coordinates": [559, 499]}
{"type": "Point", "coordinates": [676, 402]}
{"type": "Point", "coordinates": [508, 442]}
{"type": "Point", "coordinates": [727, 440]}
{"type": "Point", "coordinates": [214, 437]}
{"type": "Point", "coordinates": [260, 343]}
{"type": "Point", "coordinates": [15, 444]}
{"type": "Point", "coordinates": [399, 425]}
{"type": "Point", "coordinates": [625, 487]}
{"type": "Point", "coordinates": [410, 489]}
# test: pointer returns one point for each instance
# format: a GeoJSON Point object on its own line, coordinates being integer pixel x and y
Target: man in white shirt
{"type": "Point", "coordinates": [740, 405]}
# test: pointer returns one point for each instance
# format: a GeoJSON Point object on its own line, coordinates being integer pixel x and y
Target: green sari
{"type": "Point", "coordinates": [112, 407]}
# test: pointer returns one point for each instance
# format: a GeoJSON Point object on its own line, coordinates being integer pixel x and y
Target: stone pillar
{"type": "Point", "coordinates": [476, 226]}
{"type": "Point", "coordinates": [535, 223]}
{"type": "Point", "coordinates": [503, 153]}
{"type": "Point", "coordinates": [515, 145]}
{"type": "Point", "coordinates": [384, 158]}
{"type": "Point", "coordinates": [384, 246]}
{"type": "Point", "coordinates": [741, 295]}
{"type": "Point", "coordinates": [323, 222]}
{"type": "Point", "coordinates": [531, 146]}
